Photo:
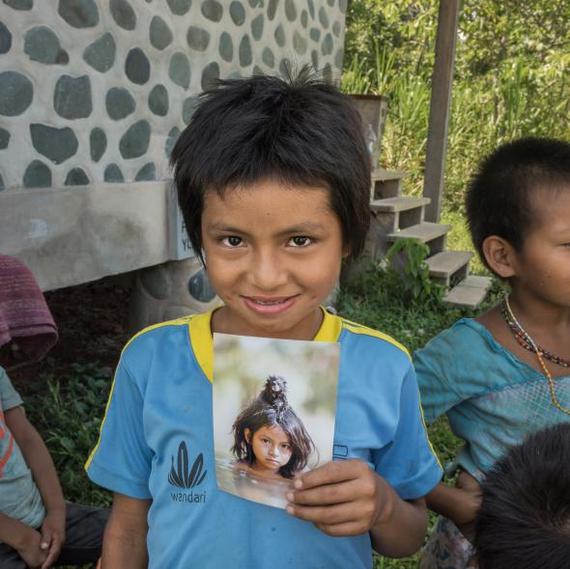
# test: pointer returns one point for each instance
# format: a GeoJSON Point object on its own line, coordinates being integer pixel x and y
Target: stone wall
{"type": "Point", "coordinates": [97, 91]}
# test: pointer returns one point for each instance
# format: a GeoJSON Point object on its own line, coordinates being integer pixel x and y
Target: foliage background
{"type": "Point", "coordinates": [511, 78]}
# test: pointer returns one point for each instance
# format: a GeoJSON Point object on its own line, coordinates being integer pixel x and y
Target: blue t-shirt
{"type": "Point", "coordinates": [159, 418]}
{"type": "Point", "coordinates": [491, 398]}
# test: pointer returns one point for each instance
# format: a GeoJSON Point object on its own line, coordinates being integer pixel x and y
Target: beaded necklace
{"type": "Point", "coordinates": [540, 353]}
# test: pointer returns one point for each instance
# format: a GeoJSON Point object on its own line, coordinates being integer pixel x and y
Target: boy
{"type": "Point", "coordinates": [504, 374]}
{"type": "Point", "coordinates": [273, 180]}
{"type": "Point", "coordinates": [524, 520]}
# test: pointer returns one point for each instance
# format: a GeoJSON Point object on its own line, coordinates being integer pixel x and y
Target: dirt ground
{"type": "Point", "coordinates": [92, 324]}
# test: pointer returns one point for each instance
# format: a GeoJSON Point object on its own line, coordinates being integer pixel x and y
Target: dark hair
{"type": "Point", "coordinates": [499, 196]}
{"type": "Point", "coordinates": [268, 409]}
{"type": "Point", "coordinates": [298, 131]}
{"type": "Point", "coordinates": [524, 520]}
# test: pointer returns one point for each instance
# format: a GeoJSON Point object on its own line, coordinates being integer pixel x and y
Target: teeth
{"type": "Point", "coordinates": [269, 302]}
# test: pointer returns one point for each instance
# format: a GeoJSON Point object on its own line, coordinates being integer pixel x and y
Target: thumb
{"type": "Point", "coordinates": [46, 539]}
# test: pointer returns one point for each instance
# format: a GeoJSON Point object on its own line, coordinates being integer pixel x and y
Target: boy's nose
{"type": "Point", "coordinates": [266, 271]}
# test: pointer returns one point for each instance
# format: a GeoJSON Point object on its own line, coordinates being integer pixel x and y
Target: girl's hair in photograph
{"type": "Point", "coordinates": [268, 409]}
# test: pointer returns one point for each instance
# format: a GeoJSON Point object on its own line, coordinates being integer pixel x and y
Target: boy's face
{"type": "Point", "coordinates": [273, 254]}
{"type": "Point", "coordinates": [542, 267]}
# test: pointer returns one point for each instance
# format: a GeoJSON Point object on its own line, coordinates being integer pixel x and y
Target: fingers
{"type": "Point", "coordinates": [339, 520]}
{"type": "Point", "coordinates": [54, 549]}
{"type": "Point", "coordinates": [331, 473]}
{"type": "Point", "coordinates": [329, 494]}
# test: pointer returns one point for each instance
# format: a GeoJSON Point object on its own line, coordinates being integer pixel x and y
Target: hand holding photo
{"type": "Point", "coordinates": [281, 427]}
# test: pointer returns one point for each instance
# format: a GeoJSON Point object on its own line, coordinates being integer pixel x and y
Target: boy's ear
{"type": "Point", "coordinates": [247, 434]}
{"type": "Point", "coordinates": [500, 256]}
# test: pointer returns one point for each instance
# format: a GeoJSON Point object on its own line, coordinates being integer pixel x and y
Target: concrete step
{"type": "Point", "coordinates": [470, 292]}
{"type": "Point", "coordinates": [383, 175]}
{"type": "Point", "coordinates": [385, 183]}
{"type": "Point", "coordinates": [398, 204]}
{"type": "Point", "coordinates": [424, 232]}
{"type": "Point", "coordinates": [433, 234]}
{"type": "Point", "coordinates": [449, 266]}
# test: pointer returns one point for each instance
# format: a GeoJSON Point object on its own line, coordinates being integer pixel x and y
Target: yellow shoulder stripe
{"type": "Point", "coordinates": [359, 329]}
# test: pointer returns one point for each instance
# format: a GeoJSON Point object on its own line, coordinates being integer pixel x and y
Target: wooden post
{"type": "Point", "coordinates": [441, 81]}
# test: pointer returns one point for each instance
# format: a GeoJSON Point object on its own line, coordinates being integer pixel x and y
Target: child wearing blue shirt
{"type": "Point", "coordinates": [273, 179]}
{"type": "Point", "coordinates": [504, 374]}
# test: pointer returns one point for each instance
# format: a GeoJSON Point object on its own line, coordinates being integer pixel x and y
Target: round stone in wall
{"type": "Point", "coordinates": [257, 70]}
{"type": "Point", "coordinates": [188, 107]}
{"type": "Point", "coordinates": [171, 139]}
{"type": "Point", "coordinates": [113, 174]}
{"type": "Point", "coordinates": [79, 13]}
{"type": "Point", "coordinates": [101, 53]}
{"type": "Point", "coordinates": [210, 74]}
{"type": "Point", "coordinates": [315, 58]}
{"type": "Point", "coordinates": [20, 4]}
{"type": "Point", "coordinates": [311, 6]}
{"type": "Point", "coordinates": [285, 67]}
{"type": "Point", "coordinates": [337, 28]}
{"type": "Point", "coordinates": [257, 27]}
{"type": "Point", "coordinates": [212, 10]}
{"type": "Point", "coordinates": [315, 34]}
{"type": "Point", "coordinates": [342, 4]}
{"type": "Point", "coordinates": [237, 13]}
{"type": "Point", "coordinates": [57, 144]}
{"type": "Point", "coordinates": [4, 138]}
{"type": "Point", "coordinates": [338, 58]}
{"type": "Point", "coordinates": [42, 45]}
{"type": "Point", "coordinates": [200, 288]}
{"type": "Point", "coordinates": [198, 38]}
{"type": "Point", "coordinates": [179, 7]}
{"type": "Point", "coordinates": [97, 144]}
{"type": "Point", "coordinates": [134, 142]}
{"type": "Point", "coordinates": [272, 8]}
{"type": "Point", "coordinates": [5, 39]}
{"type": "Point", "coordinates": [119, 103]}
{"type": "Point", "coordinates": [72, 97]}
{"type": "Point", "coordinates": [16, 93]}
{"type": "Point", "coordinates": [290, 10]}
{"type": "Point", "coordinates": [304, 18]}
{"type": "Point", "coordinates": [323, 17]}
{"type": "Point", "coordinates": [267, 57]}
{"type": "Point", "coordinates": [146, 173]}
{"type": "Point", "coordinates": [158, 100]}
{"type": "Point", "coordinates": [280, 36]}
{"type": "Point", "coordinates": [2, 186]}
{"type": "Point", "coordinates": [327, 45]}
{"type": "Point", "coordinates": [226, 47]}
{"type": "Point", "coordinates": [76, 177]}
{"type": "Point", "coordinates": [299, 43]}
{"type": "Point", "coordinates": [137, 66]}
{"type": "Point", "coordinates": [37, 175]}
{"type": "Point", "coordinates": [160, 34]}
{"type": "Point", "coordinates": [179, 70]}
{"type": "Point", "coordinates": [327, 73]}
{"type": "Point", "coordinates": [123, 14]}
{"type": "Point", "coordinates": [245, 57]}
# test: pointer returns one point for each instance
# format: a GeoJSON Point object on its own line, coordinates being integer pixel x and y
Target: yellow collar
{"type": "Point", "coordinates": [203, 346]}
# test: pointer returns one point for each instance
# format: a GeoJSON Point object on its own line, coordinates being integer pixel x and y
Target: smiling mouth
{"type": "Point", "coordinates": [268, 305]}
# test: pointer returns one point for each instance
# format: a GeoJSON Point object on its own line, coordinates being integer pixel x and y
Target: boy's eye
{"type": "Point", "coordinates": [300, 241]}
{"type": "Point", "coordinates": [232, 241]}
{"type": "Point", "coordinates": [285, 446]}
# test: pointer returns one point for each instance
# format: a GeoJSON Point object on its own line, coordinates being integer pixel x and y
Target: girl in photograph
{"type": "Point", "coordinates": [269, 439]}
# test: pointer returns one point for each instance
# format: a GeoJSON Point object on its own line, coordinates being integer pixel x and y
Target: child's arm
{"type": "Point", "coordinates": [349, 498]}
{"type": "Point", "coordinates": [39, 461]}
{"type": "Point", "coordinates": [459, 504]}
{"type": "Point", "coordinates": [124, 543]}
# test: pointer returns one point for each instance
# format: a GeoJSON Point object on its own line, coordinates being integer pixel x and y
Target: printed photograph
{"type": "Point", "coordinates": [274, 407]}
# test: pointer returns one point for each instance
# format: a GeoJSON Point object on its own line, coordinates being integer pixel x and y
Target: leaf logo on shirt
{"type": "Point", "coordinates": [182, 476]}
